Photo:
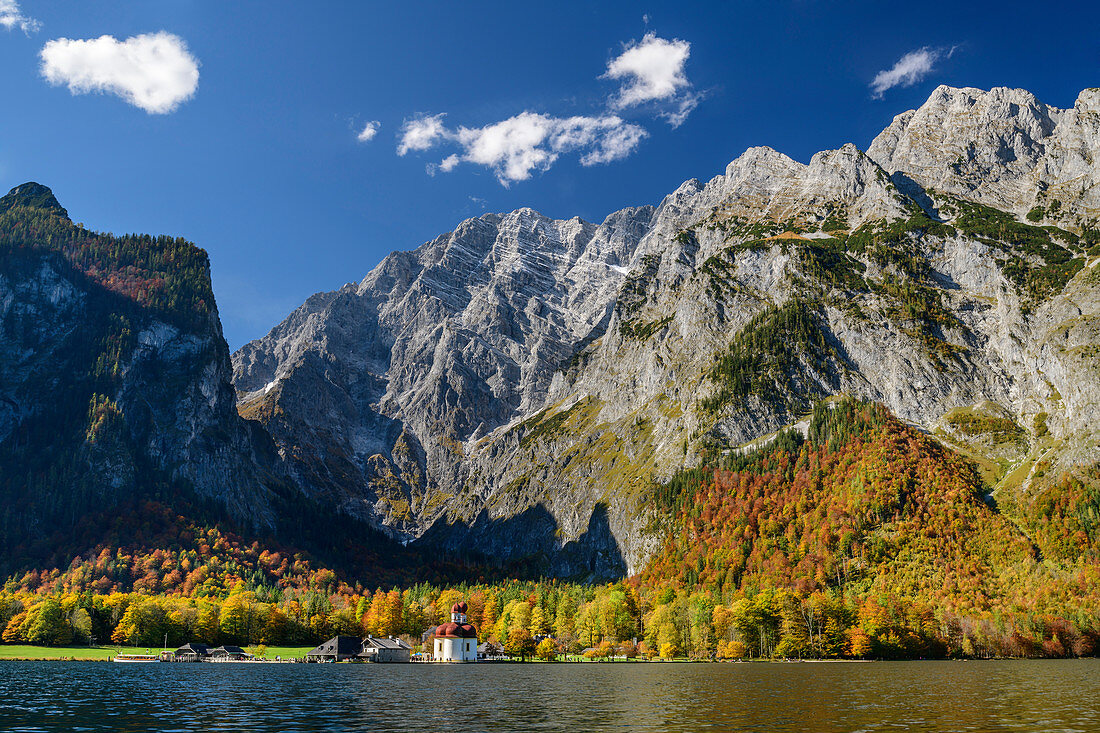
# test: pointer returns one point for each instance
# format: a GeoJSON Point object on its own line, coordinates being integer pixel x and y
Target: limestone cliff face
{"type": "Point", "coordinates": [515, 386]}
{"type": "Point", "coordinates": [105, 396]}
{"type": "Point", "coordinates": [1003, 148]}
{"type": "Point", "coordinates": [377, 391]}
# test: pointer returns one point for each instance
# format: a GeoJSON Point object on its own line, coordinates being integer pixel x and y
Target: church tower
{"type": "Point", "coordinates": [456, 640]}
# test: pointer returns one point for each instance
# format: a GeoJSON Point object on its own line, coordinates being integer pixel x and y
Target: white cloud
{"type": "Point", "coordinates": [651, 70]}
{"type": "Point", "coordinates": [448, 164]}
{"type": "Point", "coordinates": [154, 71]}
{"type": "Point", "coordinates": [529, 142]}
{"type": "Point", "coordinates": [11, 16]}
{"type": "Point", "coordinates": [615, 144]}
{"type": "Point", "coordinates": [421, 133]}
{"type": "Point", "coordinates": [910, 69]}
{"type": "Point", "coordinates": [369, 131]}
{"type": "Point", "coordinates": [512, 148]}
{"type": "Point", "coordinates": [677, 114]}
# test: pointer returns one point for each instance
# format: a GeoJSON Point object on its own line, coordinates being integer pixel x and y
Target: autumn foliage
{"type": "Point", "coordinates": [866, 538]}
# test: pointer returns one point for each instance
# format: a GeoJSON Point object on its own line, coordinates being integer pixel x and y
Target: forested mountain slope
{"type": "Point", "coordinates": [866, 534]}
{"type": "Point", "coordinates": [842, 408]}
{"type": "Point", "coordinates": [116, 408]}
{"type": "Point", "coordinates": [867, 506]}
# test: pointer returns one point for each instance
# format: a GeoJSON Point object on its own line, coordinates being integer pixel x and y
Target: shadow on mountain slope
{"type": "Point", "coordinates": [527, 542]}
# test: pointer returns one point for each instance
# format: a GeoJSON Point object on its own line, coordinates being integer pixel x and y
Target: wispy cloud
{"type": "Point", "coordinates": [154, 71]}
{"type": "Point", "coordinates": [369, 131]}
{"type": "Point", "coordinates": [652, 77]}
{"type": "Point", "coordinates": [517, 147]}
{"type": "Point", "coordinates": [11, 16]}
{"type": "Point", "coordinates": [652, 71]}
{"type": "Point", "coordinates": [421, 133]}
{"type": "Point", "coordinates": [909, 69]}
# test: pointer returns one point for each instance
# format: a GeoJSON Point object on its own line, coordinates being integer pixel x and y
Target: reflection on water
{"type": "Point", "coordinates": [917, 696]}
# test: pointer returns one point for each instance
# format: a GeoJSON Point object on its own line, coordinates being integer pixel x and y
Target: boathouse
{"type": "Point", "coordinates": [228, 653]}
{"type": "Point", "coordinates": [192, 652]}
{"type": "Point", "coordinates": [336, 649]}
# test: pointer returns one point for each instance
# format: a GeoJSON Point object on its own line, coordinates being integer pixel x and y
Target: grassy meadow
{"type": "Point", "coordinates": [104, 653]}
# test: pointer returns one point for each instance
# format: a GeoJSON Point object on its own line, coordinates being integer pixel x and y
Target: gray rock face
{"type": "Point", "coordinates": [194, 433]}
{"type": "Point", "coordinates": [1003, 148]}
{"type": "Point", "coordinates": [395, 379]}
{"type": "Point", "coordinates": [35, 294]}
{"type": "Point", "coordinates": [101, 399]}
{"type": "Point", "coordinates": [517, 385]}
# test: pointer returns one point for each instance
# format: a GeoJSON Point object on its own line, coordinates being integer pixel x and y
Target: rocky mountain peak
{"type": "Point", "coordinates": [1088, 100]}
{"type": "Point", "coordinates": [501, 382]}
{"type": "Point", "coordinates": [683, 194]}
{"type": "Point", "coordinates": [1007, 126]}
{"type": "Point", "coordinates": [761, 167]}
{"type": "Point", "coordinates": [760, 157]}
{"type": "Point", "coordinates": [763, 184]}
{"type": "Point", "coordinates": [33, 196]}
{"type": "Point", "coordinates": [1002, 147]}
{"type": "Point", "coordinates": [847, 160]}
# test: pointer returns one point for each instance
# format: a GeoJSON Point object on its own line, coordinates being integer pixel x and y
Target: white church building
{"type": "Point", "coordinates": [456, 640]}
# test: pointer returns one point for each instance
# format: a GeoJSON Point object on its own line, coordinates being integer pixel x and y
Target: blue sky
{"type": "Point", "coordinates": [238, 126]}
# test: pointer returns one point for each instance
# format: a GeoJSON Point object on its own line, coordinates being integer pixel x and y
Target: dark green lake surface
{"type": "Point", "coordinates": [921, 696]}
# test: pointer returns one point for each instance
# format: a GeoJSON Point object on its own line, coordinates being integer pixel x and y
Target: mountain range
{"type": "Point", "coordinates": [521, 388]}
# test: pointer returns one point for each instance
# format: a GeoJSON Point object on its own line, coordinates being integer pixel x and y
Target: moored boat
{"type": "Point", "coordinates": [136, 658]}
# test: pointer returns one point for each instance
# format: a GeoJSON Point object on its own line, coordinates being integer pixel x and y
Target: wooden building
{"type": "Point", "coordinates": [192, 652]}
{"type": "Point", "coordinates": [228, 653]}
{"type": "Point", "coordinates": [336, 649]}
{"type": "Point", "coordinates": [389, 649]}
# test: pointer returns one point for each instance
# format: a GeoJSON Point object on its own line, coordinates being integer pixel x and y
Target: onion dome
{"type": "Point", "coordinates": [459, 607]}
{"type": "Point", "coordinates": [456, 631]}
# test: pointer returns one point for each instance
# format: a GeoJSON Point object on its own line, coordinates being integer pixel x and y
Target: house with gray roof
{"type": "Point", "coordinates": [228, 653]}
{"type": "Point", "coordinates": [192, 652]}
{"type": "Point", "coordinates": [336, 649]}
{"type": "Point", "coordinates": [387, 649]}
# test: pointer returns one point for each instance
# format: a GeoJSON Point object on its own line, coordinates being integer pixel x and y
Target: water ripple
{"type": "Point", "coordinates": [1046, 696]}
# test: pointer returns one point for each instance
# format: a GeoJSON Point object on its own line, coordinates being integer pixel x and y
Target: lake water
{"type": "Point", "coordinates": [824, 697]}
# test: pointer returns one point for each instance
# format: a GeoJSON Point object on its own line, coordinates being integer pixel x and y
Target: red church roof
{"type": "Point", "coordinates": [455, 631]}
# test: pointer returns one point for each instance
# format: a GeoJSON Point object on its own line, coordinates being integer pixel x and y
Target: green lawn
{"type": "Point", "coordinates": [286, 652]}
{"type": "Point", "coordinates": [100, 653]}
{"type": "Point", "coordinates": [103, 653]}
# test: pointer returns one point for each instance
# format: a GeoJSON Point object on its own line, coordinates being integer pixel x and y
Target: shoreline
{"type": "Point", "coordinates": [106, 655]}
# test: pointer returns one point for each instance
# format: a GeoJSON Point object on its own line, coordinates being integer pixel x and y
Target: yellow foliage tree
{"type": "Point", "coordinates": [547, 650]}
{"type": "Point", "coordinates": [859, 643]}
{"type": "Point", "coordinates": [538, 624]}
{"type": "Point", "coordinates": [127, 627]}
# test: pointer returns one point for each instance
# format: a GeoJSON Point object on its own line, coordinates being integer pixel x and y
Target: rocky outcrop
{"type": "Point", "coordinates": [107, 393]}
{"type": "Point", "coordinates": [517, 385]}
{"type": "Point", "coordinates": [1002, 147]}
{"type": "Point", "coordinates": [386, 384]}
